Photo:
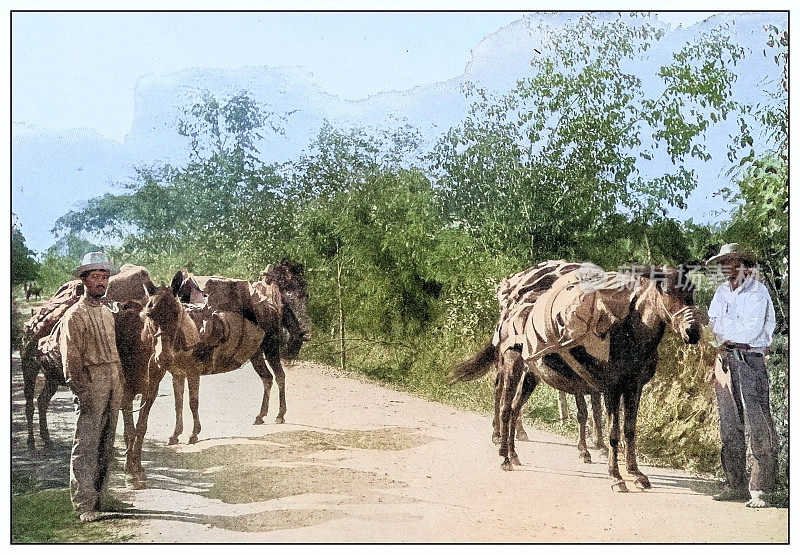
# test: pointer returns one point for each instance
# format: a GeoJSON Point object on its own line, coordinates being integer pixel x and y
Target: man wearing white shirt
{"type": "Point", "coordinates": [742, 317]}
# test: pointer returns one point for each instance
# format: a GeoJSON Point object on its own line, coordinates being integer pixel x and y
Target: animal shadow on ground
{"type": "Point", "coordinates": [671, 484]}
{"type": "Point", "coordinates": [237, 477]}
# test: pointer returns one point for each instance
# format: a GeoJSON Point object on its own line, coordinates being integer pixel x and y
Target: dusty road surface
{"type": "Point", "coordinates": [356, 462]}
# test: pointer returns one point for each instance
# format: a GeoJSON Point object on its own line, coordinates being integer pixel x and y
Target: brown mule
{"type": "Point", "coordinates": [633, 313]}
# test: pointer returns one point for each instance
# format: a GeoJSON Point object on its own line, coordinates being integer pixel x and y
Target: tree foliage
{"type": "Point", "coordinates": [198, 215]}
{"type": "Point", "coordinates": [547, 167]}
{"type": "Point", "coordinates": [24, 267]}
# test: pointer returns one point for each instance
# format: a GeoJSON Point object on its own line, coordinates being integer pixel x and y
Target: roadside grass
{"type": "Point", "coordinates": [46, 516]}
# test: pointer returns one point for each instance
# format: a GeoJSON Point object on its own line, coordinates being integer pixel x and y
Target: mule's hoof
{"type": "Point", "coordinates": [620, 487]}
{"type": "Point", "coordinates": [173, 440]}
{"type": "Point", "coordinates": [506, 465]}
{"type": "Point", "coordinates": [259, 420]}
{"type": "Point", "coordinates": [192, 440]}
{"type": "Point", "coordinates": [280, 420]}
{"type": "Point", "coordinates": [642, 482]}
{"type": "Point", "coordinates": [515, 460]}
{"type": "Point", "coordinates": [585, 457]}
{"type": "Point", "coordinates": [496, 439]}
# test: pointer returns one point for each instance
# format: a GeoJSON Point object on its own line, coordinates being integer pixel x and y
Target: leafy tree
{"type": "Point", "coordinates": [200, 214]}
{"type": "Point", "coordinates": [24, 267]}
{"type": "Point", "coordinates": [61, 259]}
{"type": "Point", "coordinates": [544, 169]}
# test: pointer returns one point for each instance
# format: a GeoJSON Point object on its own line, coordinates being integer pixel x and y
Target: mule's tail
{"type": "Point", "coordinates": [475, 367]}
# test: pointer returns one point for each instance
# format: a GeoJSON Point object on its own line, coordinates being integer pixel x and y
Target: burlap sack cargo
{"type": "Point", "coordinates": [226, 340]}
{"type": "Point", "coordinates": [577, 309]}
{"type": "Point", "coordinates": [225, 294]}
{"type": "Point", "coordinates": [131, 283]}
{"type": "Point", "coordinates": [42, 322]}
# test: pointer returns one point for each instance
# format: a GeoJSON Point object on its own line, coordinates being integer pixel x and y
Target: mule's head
{"type": "Point", "coordinates": [676, 299]}
{"type": "Point", "coordinates": [161, 316]}
{"type": "Point", "coordinates": [289, 276]}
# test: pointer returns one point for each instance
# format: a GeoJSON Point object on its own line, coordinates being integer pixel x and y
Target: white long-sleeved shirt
{"type": "Point", "coordinates": [744, 315]}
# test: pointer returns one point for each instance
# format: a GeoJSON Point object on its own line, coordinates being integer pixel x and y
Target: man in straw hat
{"type": "Point", "coordinates": [742, 317]}
{"type": "Point", "coordinates": [92, 369]}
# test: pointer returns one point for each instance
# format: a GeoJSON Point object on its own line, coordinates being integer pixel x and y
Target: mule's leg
{"type": "Point", "coordinates": [274, 361]}
{"type": "Point", "coordinates": [583, 415]}
{"type": "Point", "coordinates": [510, 373]}
{"type": "Point", "coordinates": [266, 378]}
{"type": "Point", "coordinates": [597, 416]}
{"type": "Point", "coordinates": [155, 374]}
{"type": "Point", "coordinates": [30, 371]}
{"type": "Point", "coordinates": [177, 389]}
{"type": "Point", "coordinates": [612, 411]}
{"type": "Point", "coordinates": [523, 393]}
{"type": "Point", "coordinates": [631, 400]}
{"type": "Point", "coordinates": [522, 435]}
{"type": "Point", "coordinates": [498, 393]}
{"type": "Point", "coordinates": [194, 404]}
{"type": "Point", "coordinates": [129, 433]}
{"type": "Point", "coordinates": [563, 407]}
{"type": "Point", "coordinates": [49, 389]}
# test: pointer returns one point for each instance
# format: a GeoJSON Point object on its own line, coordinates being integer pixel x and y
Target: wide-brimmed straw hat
{"type": "Point", "coordinates": [732, 250]}
{"type": "Point", "coordinates": [95, 261]}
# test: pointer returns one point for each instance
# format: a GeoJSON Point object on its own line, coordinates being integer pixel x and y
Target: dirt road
{"type": "Point", "coordinates": [356, 462]}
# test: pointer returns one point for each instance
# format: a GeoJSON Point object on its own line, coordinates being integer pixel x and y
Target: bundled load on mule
{"type": "Point", "coordinates": [516, 296]}
{"type": "Point", "coordinates": [132, 283]}
{"type": "Point", "coordinates": [577, 309]}
{"type": "Point", "coordinates": [277, 302]}
{"type": "Point", "coordinates": [225, 339]}
{"type": "Point", "coordinates": [42, 322]}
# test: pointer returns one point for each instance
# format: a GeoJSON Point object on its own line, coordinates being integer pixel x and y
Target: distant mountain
{"type": "Point", "coordinates": [53, 173]}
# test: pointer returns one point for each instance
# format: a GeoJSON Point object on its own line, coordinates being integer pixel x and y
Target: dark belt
{"type": "Point", "coordinates": [741, 352]}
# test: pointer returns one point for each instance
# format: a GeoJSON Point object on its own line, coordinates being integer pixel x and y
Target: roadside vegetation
{"type": "Point", "coordinates": [404, 241]}
{"type": "Point", "coordinates": [45, 515]}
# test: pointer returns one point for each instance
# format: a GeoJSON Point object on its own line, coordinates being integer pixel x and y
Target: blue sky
{"type": "Point", "coordinates": [80, 69]}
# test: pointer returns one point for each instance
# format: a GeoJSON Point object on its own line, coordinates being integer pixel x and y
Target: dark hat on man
{"type": "Point", "coordinates": [729, 251]}
{"type": "Point", "coordinates": [95, 261]}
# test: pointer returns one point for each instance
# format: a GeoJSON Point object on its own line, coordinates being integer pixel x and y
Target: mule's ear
{"type": "Point", "coordinates": [177, 281]}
